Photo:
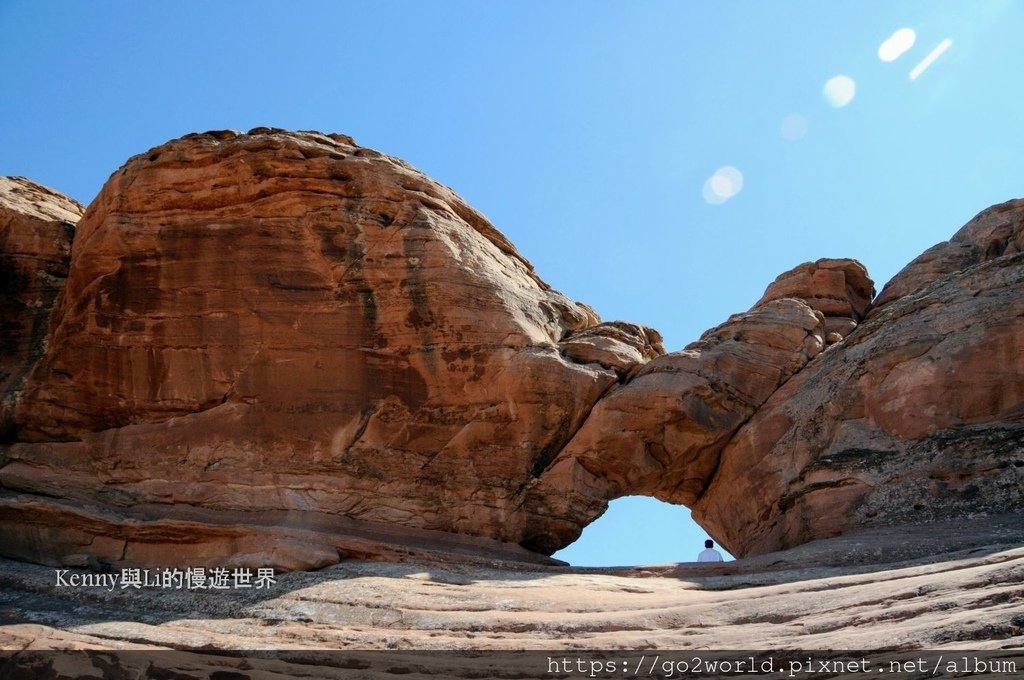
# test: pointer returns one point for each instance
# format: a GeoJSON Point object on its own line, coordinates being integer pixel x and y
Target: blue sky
{"type": "Point", "coordinates": [586, 131]}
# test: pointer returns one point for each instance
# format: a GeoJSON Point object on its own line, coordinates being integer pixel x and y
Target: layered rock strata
{"type": "Point", "coordinates": [840, 289]}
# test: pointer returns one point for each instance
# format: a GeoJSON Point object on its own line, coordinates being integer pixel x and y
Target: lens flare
{"type": "Point", "coordinates": [839, 91]}
{"type": "Point", "coordinates": [723, 185]}
{"type": "Point", "coordinates": [897, 44]}
{"type": "Point", "coordinates": [939, 50]}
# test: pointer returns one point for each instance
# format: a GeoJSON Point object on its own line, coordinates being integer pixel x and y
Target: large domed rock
{"type": "Point", "coordinates": [288, 321]}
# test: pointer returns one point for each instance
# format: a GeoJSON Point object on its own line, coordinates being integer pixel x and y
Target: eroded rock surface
{"type": "Point", "coordinates": [288, 321]}
{"type": "Point", "coordinates": [616, 345]}
{"type": "Point", "coordinates": [918, 415]}
{"type": "Point", "coordinates": [997, 231]}
{"type": "Point", "coordinates": [663, 430]}
{"type": "Point", "coordinates": [840, 289]}
{"type": "Point", "coordinates": [36, 229]}
{"type": "Point", "coordinates": [948, 586]}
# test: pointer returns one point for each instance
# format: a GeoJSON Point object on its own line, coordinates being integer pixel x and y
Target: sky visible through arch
{"type": "Point", "coordinates": [661, 161]}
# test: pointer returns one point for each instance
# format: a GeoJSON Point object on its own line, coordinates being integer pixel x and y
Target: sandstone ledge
{"type": "Point", "coordinates": [64, 534]}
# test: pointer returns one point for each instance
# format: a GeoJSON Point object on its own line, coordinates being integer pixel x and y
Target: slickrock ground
{"type": "Point", "coordinates": [952, 585]}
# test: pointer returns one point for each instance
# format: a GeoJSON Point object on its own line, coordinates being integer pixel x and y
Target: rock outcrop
{"type": "Point", "coordinates": [283, 349]}
{"type": "Point", "coordinates": [994, 232]}
{"type": "Point", "coordinates": [661, 432]}
{"type": "Point", "coordinates": [840, 289]}
{"type": "Point", "coordinates": [615, 345]}
{"type": "Point", "coordinates": [36, 229]}
{"type": "Point", "coordinates": [919, 415]}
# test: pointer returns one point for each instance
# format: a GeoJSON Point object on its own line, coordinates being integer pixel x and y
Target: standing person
{"type": "Point", "coordinates": [709, 554]}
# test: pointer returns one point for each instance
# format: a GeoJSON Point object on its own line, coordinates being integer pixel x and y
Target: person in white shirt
{"type": "Point", "coordinates": [709, 554]}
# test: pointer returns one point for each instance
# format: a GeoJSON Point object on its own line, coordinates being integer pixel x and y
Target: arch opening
{"type": "Point", "coordinates": [638, 530]}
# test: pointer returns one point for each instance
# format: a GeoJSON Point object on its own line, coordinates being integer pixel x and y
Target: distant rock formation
{"type": "Point", "coordinates": [274, 334]}
{"type": "Point", "coordinates": [37, 225]}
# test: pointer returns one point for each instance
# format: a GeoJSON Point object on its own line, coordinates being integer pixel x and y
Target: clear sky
{"type": "Point", "coordinates": [592, 133]}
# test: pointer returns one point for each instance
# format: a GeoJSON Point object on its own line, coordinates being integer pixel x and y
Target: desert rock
{"type": "Point", "coordinates": [661, 432]}
{"type": "Point", "coordinates": [617, 345]}
{"type": "Point", "coordinates": [996, 231]}
{"type": "Point", "coordinates": [36, 229]}
{"type": "Point", "coordinates": [950, 586]}
{"type": "Point", "coordinates": [916, 416]}
{"type": "Point", "coordinates": [840, 289]}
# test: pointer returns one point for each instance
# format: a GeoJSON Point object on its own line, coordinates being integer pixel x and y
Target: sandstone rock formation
{"type": "Point", "coordinates": [661, 432]}
{"type": "Point", "coordinates": [917, 415]}
{"type": "Point", "coordinates": [36, 228]}
{"type": "Point", "coordinates": [840, 289]}
{"type": "Point", "coordinates": [287, 321]}
{"type": "Point", "coordinates": [994, 232]}
{"type": "Point", "coordinates": [283, 349]}
{"type": "Point", "coordinates": [616, 345]}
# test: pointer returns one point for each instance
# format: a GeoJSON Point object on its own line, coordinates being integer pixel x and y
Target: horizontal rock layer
{"type": "Point", "coordinates": [947, 586]}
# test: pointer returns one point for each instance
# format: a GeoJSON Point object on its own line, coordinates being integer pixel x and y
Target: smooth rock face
{"type": "Point", "coordinates": [36, 229]}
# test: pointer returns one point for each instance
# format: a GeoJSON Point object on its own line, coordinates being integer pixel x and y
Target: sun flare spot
{"type": "Point", "coordinates": [723, 185]}
{"type": "Point", "coordinates": [839, 91]}
{"type": "Point", "coordinates": [794, 127]}
{"type": "Point", "coordinates": [897, 44]}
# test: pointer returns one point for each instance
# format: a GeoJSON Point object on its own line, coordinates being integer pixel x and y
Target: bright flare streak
{"type": "Point", "coordinates": [898, 43]}
{"type": "Point", "coordinates": [939, 50]}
